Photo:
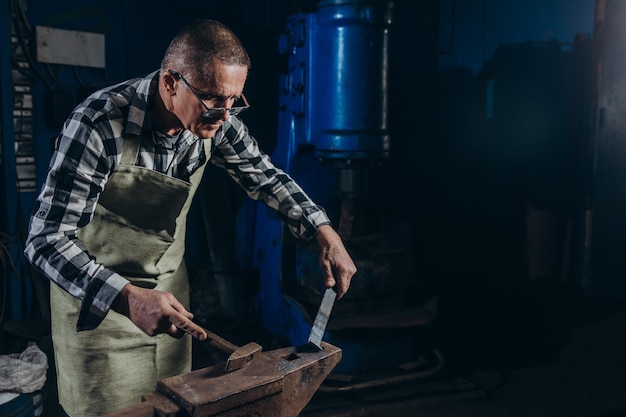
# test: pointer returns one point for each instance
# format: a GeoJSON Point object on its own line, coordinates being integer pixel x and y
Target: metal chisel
{"type": "Point", "coordinates": [321, 319]}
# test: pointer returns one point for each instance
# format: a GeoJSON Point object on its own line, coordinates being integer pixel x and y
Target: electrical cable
{"type": "Point", "coordinates": [54, 75]}
{"type": "Point", "coordinates": [18, 67]}
{"type": "Point", "coordinates": [77, 76]}
{"type": "Point", "coordinates": [23, 17]}
{"type": "Point", "coordinates": [26, 47]}
{"type": "Point", "coordinates": [24, 33]}
{"type": "Point", "coordinates": [391, 380]}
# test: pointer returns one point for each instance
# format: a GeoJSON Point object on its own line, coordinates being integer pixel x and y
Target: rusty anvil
{"type": "Point", "coordinates": [277, 383]}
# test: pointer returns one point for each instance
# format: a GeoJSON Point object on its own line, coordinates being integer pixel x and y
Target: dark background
{"type": "Point", "coordinates": [506, 155]}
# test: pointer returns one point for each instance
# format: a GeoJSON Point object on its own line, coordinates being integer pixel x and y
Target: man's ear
{"type": "Point", "coordinates": [170, 82]}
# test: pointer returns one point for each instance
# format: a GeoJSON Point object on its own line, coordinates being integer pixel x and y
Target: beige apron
{"type": "Point", "coordinates": [138, 230]}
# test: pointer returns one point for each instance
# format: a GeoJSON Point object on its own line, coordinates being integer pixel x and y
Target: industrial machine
{"type": "Point", "coordinates": [333, 137]}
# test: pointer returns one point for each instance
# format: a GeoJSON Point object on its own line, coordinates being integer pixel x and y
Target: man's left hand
{"type": "Point", "coordinates": [337, 265]}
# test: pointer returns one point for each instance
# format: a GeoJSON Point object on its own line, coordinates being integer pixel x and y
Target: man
{"type": "Point", "coordinates": [108, 226]}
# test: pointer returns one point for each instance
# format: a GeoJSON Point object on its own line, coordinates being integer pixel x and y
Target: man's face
{"type": "Point", "coordinates": [221, 91]}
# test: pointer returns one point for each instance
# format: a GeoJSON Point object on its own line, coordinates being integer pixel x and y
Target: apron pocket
{"type": "Point", "coordinates": [122, 247]}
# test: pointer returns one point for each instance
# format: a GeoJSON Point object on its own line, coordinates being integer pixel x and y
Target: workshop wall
{"type": "Point", "coordinates": [135, 36]}
{"type": "Point", "coordinates": [512, 99]}
{"type": "Point", "coordinates": [442, 56]}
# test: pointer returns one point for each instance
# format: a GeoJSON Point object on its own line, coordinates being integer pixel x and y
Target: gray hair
{"type": "Point", "coordinates": [198, 45]}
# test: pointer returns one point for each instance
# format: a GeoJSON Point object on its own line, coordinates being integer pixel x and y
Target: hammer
{"type": "Point", "coordinates": [239, 356]}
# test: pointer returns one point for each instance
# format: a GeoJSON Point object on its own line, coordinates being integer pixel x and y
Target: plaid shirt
{"type": "Point", "coordinates": [88, 151]}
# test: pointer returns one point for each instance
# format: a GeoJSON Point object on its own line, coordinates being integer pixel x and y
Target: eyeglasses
{"type": "Point", "coordinates": [211, 113]}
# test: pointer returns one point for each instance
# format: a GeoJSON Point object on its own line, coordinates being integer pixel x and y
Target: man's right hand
{"type": "Point", "coordinates": [155, 312]}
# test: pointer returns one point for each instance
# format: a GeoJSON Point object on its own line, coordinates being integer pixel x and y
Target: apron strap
{"type": "Point", "coordinates": [130, 150]}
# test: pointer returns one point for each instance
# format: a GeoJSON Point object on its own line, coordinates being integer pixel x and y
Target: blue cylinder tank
{"type": "Point", "coordinates": [349, 69]}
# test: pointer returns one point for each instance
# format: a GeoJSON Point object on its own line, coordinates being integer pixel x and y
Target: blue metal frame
{"type": "Point", "coordinates": [332, 105]}
{"type": "Point", "coordinates": [10, 197]}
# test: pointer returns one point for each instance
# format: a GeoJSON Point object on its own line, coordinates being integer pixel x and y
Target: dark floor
{"type": "Point", "coordinates": [523, 356]}
{"type": "Point", "coordinates": [523, 373]}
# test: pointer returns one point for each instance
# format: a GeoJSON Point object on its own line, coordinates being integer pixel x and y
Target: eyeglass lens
{"type": "Point", "coordinates": [218, 111]}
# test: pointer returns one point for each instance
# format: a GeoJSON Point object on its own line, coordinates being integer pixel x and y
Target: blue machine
{"type": "Point", "coordinates": [334, 93]}
{"type": "Point", "coordinates": [332, 130]}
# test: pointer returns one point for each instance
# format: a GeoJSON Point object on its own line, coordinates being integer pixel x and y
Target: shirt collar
{"type": "Point", "coordinates": [140, 111]}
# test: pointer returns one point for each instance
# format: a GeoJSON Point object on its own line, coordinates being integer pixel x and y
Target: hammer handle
{"type": "Point", "coordinates": [219, 343]}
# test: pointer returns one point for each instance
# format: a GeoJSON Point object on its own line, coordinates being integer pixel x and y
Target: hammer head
{"type": "Point", "coordinates": [243, 355]}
